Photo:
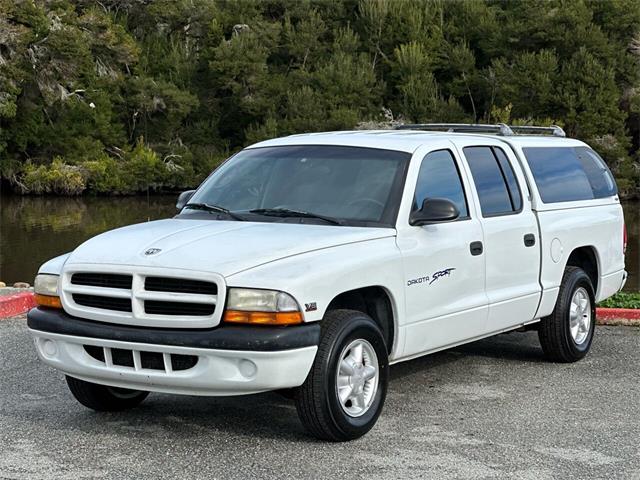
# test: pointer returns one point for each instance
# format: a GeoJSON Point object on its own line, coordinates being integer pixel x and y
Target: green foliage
{"type": "Point", "coordinates": [622, 300]}
{"type": "Point", "coordinates": [81, 82]}
{"type": "Point", "coordinates": [57, 177]}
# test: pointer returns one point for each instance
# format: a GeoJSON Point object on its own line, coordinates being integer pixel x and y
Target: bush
{"type": "Point", "coordinates": [104, 175]}
{"type": "Point", "coordinates": [134, 171]}
{"type": "Point", "coordinates": [58, 178]}
{"type": "Point", "coordinates": [622, 300]}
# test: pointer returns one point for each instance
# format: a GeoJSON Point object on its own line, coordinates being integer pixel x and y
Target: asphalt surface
{"type": "Point", "coordinates": [491, 409]}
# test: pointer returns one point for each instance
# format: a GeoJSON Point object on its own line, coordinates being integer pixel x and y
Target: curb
{"type": "Point", "coordinates": [16, 304]}
{"type": "Point", "coordinates": [618, 316]}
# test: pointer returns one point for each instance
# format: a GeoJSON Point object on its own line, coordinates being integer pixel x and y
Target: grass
{"type": "Point", "coordinates": [622, 300]}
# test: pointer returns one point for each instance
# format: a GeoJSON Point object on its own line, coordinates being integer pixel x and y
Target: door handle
{"type": "Point", "coordinates": [476, 248]}
{"type": "Point", "coordinates": [529, 240]}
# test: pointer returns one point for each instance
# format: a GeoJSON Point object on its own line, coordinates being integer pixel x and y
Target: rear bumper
{"type": "Point", "coordinates": [230, 360]}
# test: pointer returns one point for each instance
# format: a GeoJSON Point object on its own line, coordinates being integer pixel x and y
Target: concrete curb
{"type": "Point", "coordinates": [16, 304]}
{"type": "Point", "coordinates": [618, 316]}
{"type": "Point", "coordinates": [19, 303]}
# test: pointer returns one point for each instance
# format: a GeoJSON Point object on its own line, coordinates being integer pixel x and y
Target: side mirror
{"type": "Point", "coordinates": [434, 210]}
{"type": "Point", "coordinates": [184, 198]}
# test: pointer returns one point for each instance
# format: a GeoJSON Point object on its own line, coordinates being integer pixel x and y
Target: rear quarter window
{"type": "Point", "coordinates": [566, 174]}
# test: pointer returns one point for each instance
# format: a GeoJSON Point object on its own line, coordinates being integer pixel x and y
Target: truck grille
{"type": "Point", "coordinates": [165, 284]}
{"type": "Point", "coordinates": [153, 297]}
{"type": "Point", "coordinates": [141, 360]}
{"type": "Point", "coordinates": [155, 307]}
{"type": "Point", "coordinates": [102, 280]}
{"type": "Point", "coordinates": [106, 303]}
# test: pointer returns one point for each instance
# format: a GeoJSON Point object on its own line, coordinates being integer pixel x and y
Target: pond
{"type": "Point", "coordinates": [34, 229]}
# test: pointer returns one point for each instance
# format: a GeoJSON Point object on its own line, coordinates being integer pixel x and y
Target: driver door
{"type": "Point", "coordinates": [445, 296]}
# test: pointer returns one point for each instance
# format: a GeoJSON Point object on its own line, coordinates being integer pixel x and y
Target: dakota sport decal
{"type": "Point", "coordinates": [430, 279]}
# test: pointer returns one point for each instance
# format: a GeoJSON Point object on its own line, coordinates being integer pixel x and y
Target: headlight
{"type": "Point", "coordinates": [265, 307]}
{"type": "Point", "coordinates": [46, 290]}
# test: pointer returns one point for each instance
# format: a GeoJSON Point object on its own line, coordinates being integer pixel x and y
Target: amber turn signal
{"type": "Point", "coordinates": [263, 318]}
{"type": "Point", "coordinates": [48, 301]}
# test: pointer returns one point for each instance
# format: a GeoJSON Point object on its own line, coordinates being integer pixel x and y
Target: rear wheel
{"type": "Point", "coordinates": [566, 335]}
{"type": "Point", "coordinates": [103, 398]}
{"type": "Point", "coordinates": [343, 395]}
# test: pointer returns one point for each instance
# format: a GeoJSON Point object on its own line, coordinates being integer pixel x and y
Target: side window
{"type": "Point", "coordinates": [565, 174]}
{"type": "Point", "coordinates": [439, 178]}
{"type": "Point", "coordinates": [510, 178]}
{"type": "Point", "coordinates": [598, 173]}
{"type": "Point", "coordinates": [495, 181]}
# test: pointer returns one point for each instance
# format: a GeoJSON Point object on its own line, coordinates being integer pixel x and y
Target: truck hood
{"type": "Point", "coordinates": [216, 246]}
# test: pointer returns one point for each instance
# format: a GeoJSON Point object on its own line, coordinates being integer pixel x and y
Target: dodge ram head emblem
{"type": "Point", "coordinates": [152, 251]}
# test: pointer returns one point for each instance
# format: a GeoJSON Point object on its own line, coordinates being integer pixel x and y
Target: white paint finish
{"type": "Point", "coordinates": [437, 312]}
{"type": "Point", "coordinates": [223, 247]}
{"type": "Point", "coordinates": [218, 372]}
{"type": "Point", "coordinates": [598, 227]}
{"type": "Point", "coordinates": [496, 291]}
{"type": "Point", "coordinates": [138, 294]}
{"type": "Point", "coordinates": [547, 302]}
{"type": "Point", "coordinates": [556, 250]}
{"type": "Point", "coordinates": [404, 141]}
{"type": "Point", "coordinates": [54, 266]}
{"type": "Point", "coordinates": [611, 284]}
{"type": "Point", "coordinates": [437, 305]}
{"type": "Point", "coordinates": [320, 276]}
{"type": "Point", "coordinates": [512, 269]}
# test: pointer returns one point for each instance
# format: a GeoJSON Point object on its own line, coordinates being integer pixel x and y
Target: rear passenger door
{"type": "Point", "coordinates": [511, 243]}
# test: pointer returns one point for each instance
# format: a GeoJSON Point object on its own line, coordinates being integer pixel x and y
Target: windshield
{"type": "Point", "coordinates": [358, 186]}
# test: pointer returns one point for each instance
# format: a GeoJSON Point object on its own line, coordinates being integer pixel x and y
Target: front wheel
{"type": "Point", "coordinates": [103, 398]}
{"type": "Point", "coordinates": [566, 335]}
{"type": "Point", "coordinates": [343, 394]}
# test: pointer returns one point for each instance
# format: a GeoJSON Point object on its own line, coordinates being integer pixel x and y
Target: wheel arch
{"type": "Point", "coordinates": [377, 302]}
{"type": "Point", "coordinates": [586, 258]}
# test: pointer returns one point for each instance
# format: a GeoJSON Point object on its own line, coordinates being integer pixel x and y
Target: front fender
{"type": "Point", "coordinates": [54, 266]}
{"type": "Point", "coordinates": [315, 278]}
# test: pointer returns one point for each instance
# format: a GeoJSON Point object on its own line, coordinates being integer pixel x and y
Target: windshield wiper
{"type": "Point", "coordinates": [214, 208]}
{"type": "Point", "coordinates": [286, 212]}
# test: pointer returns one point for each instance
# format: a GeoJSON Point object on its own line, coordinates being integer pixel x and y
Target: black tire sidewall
{"type": "Point", "coordinates": [577, 279]}
{"type": "Point", "coordinates": [360, 327]}
{"type": "Point", "coordinates": [101, 398]}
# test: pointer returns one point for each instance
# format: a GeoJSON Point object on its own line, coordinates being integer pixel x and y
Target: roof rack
{"type": "Point", "coordinates": [497, 129]}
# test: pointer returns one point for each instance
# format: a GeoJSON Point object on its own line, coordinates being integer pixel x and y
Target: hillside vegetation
{"type": "Point", "coordinates": [122, 96]}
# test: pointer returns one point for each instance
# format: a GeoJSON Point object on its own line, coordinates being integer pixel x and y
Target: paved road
{"type": "Point", "coordinates": [492, 409]}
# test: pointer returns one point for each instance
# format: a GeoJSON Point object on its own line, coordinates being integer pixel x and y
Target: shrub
{"type": "Point", "coordinates": [622, 300]}
{"type": "Point", "coordinates": [58, 177]}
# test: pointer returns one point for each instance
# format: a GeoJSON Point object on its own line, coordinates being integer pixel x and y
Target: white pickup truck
{"type": "Point", "coordinates": [308, 264]}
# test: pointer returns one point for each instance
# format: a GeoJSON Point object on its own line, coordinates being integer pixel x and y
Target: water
{"type": "Point", "coordinates": [35, 229]}
{"type": "Point", "coordinates": [632, 260]}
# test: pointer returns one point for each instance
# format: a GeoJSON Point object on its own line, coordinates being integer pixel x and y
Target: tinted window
{"type": "Point", "coordinates": [490, 181]}
{"type": "Point", "coordinates": [598, 173]}
{"type": "Point", "coordinates": [565, 174]}
{"type": "Point", "coordinates": [439, 178]}
{"type": "Point", "coordinates": [510, 178]}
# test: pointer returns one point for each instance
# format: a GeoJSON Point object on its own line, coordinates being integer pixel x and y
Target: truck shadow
{"type": "Point", "coordinates": [503, 349]}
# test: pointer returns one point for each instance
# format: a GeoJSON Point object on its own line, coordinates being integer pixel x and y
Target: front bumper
{"type": "Point", "coordinates": [231, 360]}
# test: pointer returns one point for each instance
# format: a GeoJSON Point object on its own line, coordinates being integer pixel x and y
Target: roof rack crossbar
{"type": "Point", "coordinates": [498, 129]}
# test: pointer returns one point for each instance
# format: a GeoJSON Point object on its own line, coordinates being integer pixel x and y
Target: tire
{"type": "Point", "coordinates": [102, 398]}
{"type": "Point", "coordinates": [555, 333]}
{"type": "Point", "coordinates": [344, 334]}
